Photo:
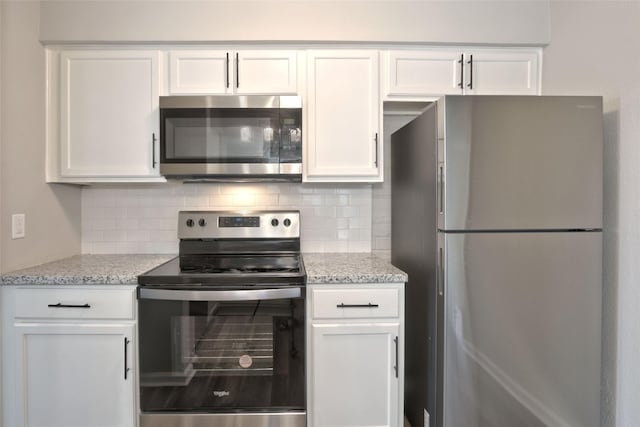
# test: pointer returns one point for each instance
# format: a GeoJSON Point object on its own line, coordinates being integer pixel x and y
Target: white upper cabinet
{"type": "Point", "coordinates": [502, 72]}
{"type": "Point", "coordinates": [343, 136]}
{"type": "Point", "coordinates": [194, 72]}
{"type": "Point", "coordinates": [419, 73]}
{"type": "Point", "coordinates": [108, 122]}
{"type": "Point", "coordinates": [242, 72]}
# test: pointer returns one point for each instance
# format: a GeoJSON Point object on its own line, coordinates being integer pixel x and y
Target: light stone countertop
{"type": "Point", "coordinates": [350, 268]}
{"type": "Point", "coordinates": [87, 270]}
{"type": "Point", "coordinates": [124, 269]}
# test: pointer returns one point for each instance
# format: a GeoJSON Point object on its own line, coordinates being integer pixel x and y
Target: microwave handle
{"type": "Point", "coordinates": [237, 70]}
{"type": "Point", "coordinates": [226, 295]}
{"type": "Point", "coordinates": [227, 70]}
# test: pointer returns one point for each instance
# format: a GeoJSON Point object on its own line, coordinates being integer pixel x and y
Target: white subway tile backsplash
{"type": "Point", "coordinates": [348, 212]}
{"type": "Point", "coordinates": [139, 219]}
{"type": "Point", "coordinates": [139, 235]}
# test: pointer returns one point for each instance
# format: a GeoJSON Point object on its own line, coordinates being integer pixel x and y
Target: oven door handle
{"type": "Point", "coordinates": [226, 295]}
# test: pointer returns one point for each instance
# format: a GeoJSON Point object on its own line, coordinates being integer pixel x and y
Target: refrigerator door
{"type": "Point", "coordinates": [414, 250]}
{"type": "Point", "coordinates": [522, 329]}
{"type": "Point", "coordinates": [521, 162]}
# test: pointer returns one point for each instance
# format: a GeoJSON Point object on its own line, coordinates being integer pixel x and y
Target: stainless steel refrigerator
{"type": "Point", "coordinates": [497, 219]}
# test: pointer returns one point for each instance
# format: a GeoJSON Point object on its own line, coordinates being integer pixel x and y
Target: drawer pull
{"type": "Point", "coordinates": [61, 305]}
{"type": "Point", "coordinates": [369, 305]}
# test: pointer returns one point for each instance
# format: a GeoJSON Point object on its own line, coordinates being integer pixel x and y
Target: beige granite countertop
{"type": "Point", "coordinates": [124, 269]}
{"type": "Point", "coordinates": [350, 268]}
{"type": "Point", "coordinates": [86, 270]}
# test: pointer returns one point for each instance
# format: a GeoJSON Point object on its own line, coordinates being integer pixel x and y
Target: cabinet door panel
{"type": "Point", "coordinates": [108, 113]}
{"type": "Point", "coordinates": [199, 72]}
{"type": "Point", "coordinates": [266, 72]}
{"type": "Point", "coordinates": [502, 73]}
{"type": "Point", "coordinates": [343, 116]}
{"type": "Point", "coordinates": [73, 376]}
{"type": "Point", "coordinates": [424, 72]}
{"type": "Point", "coordinates": [353, 376]}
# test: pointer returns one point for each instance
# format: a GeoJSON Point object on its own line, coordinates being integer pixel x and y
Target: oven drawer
{"type": "Point", "coordinates": [77, 303]}
{"type": "Point", "coordinates": [354, 303]}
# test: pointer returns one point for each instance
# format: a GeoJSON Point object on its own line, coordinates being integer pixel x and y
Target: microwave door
{"type": "Point", "coordinates": [220, 136]}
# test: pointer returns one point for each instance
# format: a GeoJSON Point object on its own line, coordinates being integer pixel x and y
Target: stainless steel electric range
{"type": "Point", "coordinates": [221, 326]}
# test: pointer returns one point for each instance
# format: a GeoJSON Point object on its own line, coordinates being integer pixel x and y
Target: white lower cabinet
{"type": "Point", "coordinates": [355, 359]}
{"type": "Point", "coordinates": [69, 357]}
{"type": "Point", "coordinates": [75, 375]}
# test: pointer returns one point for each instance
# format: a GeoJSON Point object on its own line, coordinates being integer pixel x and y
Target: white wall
{"type": "Point", "coordinates": [594, 50]}
{"type": "Point", "coordinates": [52, 211]}
{"type": "Point", "coordinates": [461, 21]}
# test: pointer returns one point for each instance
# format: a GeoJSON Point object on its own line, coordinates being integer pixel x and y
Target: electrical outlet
{"type": "Point", "coordinates": [18, 226]}
{"type": "Point", "coordinates": [426, 418]}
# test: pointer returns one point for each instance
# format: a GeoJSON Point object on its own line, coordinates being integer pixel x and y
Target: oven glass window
{"type": "Point", "coordinates": [221, 356]}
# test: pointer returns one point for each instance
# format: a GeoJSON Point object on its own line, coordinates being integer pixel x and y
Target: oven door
{"type": "Point", "coordinates": [222, 136]}
{"type": "Point", "coordinates": [223, 352]}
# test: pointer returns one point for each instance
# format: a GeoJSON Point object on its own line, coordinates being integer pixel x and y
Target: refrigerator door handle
{"type": "Point", "coordinates": [440, 271]}
{"type": "Point", "coordinates": [441, 188]}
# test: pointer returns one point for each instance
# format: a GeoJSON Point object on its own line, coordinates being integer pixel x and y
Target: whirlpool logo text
{"type": "Point", "coordinates": [220, 393]}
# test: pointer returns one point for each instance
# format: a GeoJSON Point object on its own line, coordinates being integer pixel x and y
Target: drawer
{"type": "Point", "coordinates": [82, 303]}
{"type": "Point", "coordinates": [354, 303]}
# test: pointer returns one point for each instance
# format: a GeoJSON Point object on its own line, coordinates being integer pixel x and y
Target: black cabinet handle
{"type": "Point", "coordinates": [461, 62]}
{"type": "Point", "coordinates": [470, 62]}
{"type": "Point", "coordinates": [237, 70]}
{"type": "Point", "coordinates": [369, 305]}
{"type": "Point", "coordinates": [61, 305]}
{"type": "Point", "coordinates": [375, 162]}
{"type": "Point", "coordinates": [126, 361]}
{"type": "Point", "coordinates": [395, 340]}
{"type": "Point", "coordinates": [227, 70]}
{"type": "Point", "coordinates": [153, 151]}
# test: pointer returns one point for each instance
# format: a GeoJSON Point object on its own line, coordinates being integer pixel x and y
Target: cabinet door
{"type": "Point", "coordinates": [75, 375]}
{"type": "Point", "coordinates": [109, 113]}
{"type": "Point", "coordinates": [201, 72]}
{"type": "Point", "coordinates": [343, 131]}
{"type": "Point", "coordinates": [502, 73]}
{"type": "Point", "coordinates": [423, 72]}
{"type": "Point", "coordinates": [266, 72]}
{"type": "Point", "coordinates": [353, 375]}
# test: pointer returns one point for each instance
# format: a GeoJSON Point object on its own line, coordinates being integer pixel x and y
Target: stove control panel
{"type": "Point", "coordinates": [225, 224]}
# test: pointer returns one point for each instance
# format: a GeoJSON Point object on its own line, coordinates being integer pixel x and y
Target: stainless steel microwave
{"type": "Point", "coordinates": [236, 138]}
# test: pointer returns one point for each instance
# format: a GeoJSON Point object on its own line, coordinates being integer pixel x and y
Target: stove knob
{"type": "Point", "coordinates": [275, 222]}
{"type": "Point", "coordinates": [202, 222]}
{"type": "Point", "coordinates": [189, 222]}
{"type": "Point", "coordinates": [287, 222]}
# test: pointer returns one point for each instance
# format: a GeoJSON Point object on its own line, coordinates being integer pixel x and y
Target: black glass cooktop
{"type": "Point", "coordinates": [225, 269]}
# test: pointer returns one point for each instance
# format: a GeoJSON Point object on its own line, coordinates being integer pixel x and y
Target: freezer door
{"type": "Point", "coordinates": [522, 329]}
{"type": "Point", "coordinates": [521, 162]}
